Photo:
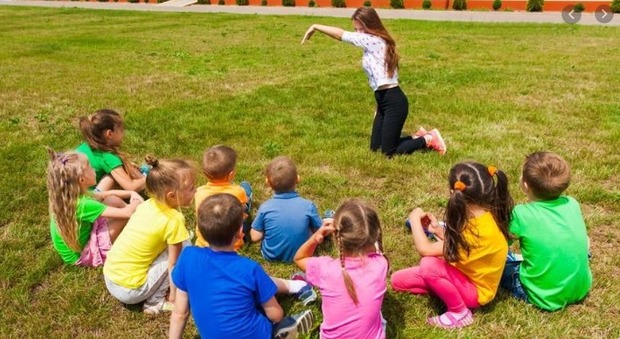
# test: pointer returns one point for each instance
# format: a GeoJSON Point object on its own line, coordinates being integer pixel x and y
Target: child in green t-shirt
{"type": "Point", "coordinates": [552, 236]}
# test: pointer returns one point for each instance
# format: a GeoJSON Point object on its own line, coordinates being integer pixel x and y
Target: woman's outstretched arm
{"type": "Point", "coordinates": [333, 32]}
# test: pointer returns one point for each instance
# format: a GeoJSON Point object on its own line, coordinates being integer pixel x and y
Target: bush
{"type": "Point", "coordinates": [497, 4]}
{"type": "Point", "coordinates": [221, 2]}
{"type": "Point", "coordinates": [459, 5]}
{"type": "Point", "coordinates": [133, 1]}
{"type": "Point", "coordinates": [426, 4]}
{"type": "Point", "coordinates": [579, 7]}
{"type": "Point", "coordinates": [615, 6]}
{"type": "Point", "coordinates": [263, 3]}
{"type": "Point", "coordinates": [242, 2]}
{"type": "Point", "coordinates": [534, 5]}
{"type": "Point", "coordinates": [339, 4]}
{"type": "Point", "coordinates": [397, 4]}
{"type": "Point", "coordinates": [288, 3]}
{"type": "Point", "coordinates": [201, 2]}
{"type": "Point", "coordinates": [311, 3]}
{"type": "Point", "coordinates": [367, 3]}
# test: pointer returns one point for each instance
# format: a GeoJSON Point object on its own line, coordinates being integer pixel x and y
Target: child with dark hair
{"type": "Point", "coordinates": [287, 220]}
{"type": "Point", "coordinates": [103, 133]}
{"type": "Point", "coordinates": [463, 268]}
{"type": "Point", "coordinates": [230, 296]}
{"type": "Point", "coordinates": [552, 236]}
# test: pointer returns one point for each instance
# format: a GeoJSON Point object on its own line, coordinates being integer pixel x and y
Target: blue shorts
{"type": "Point", "coordinates": [510, 279]}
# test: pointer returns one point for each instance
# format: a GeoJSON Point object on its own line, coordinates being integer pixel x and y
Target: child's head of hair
{"type": "Point", "coordinates": [220, 218]}
{"type": "Point", "coordinates": [282, 174]}
{"type": "Point", "coordinates": [170, 181]}
{"type": "Point", "coordinates": [357, 228]}
{"type": "Point", "coordinates": [546, 174]}
{"type": "Point", "coordinates": [218, 162]}
{"type": "Point", "coordinates": [64, 173]}
{"type": "Point", "coordinates": [95, 127]}
{"type": "Point", "coordinates": [473, 184]}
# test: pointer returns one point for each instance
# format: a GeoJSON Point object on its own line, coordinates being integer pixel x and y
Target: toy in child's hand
{"type": "Point", "coordinates": [426, 221]}
{"type": "Point", "coordinates": [145, 169]}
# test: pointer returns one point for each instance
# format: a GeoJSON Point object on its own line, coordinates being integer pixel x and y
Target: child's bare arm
{"type": "Point", "coordinates": [179, 315]}
{"type": "Point", "coordinates": [126, 182]}
{"type": "Point", "coordinates": [174, 250]}
{"type": "Point", "coordinates": [273, 310]}
{"type": "Point", "coordinates": [124, 212]}
{"type": "Point", "coordinates": [306, 250]}
{"type": "Point", "coordinates": [256, 235]}
{"type": "Point", "coordinates": [425, 247]}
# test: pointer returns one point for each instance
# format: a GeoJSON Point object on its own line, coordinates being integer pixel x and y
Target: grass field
{"type": "Point", "coordinates": [185, 82]}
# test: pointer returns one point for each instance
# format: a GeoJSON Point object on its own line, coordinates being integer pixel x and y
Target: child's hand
{"type": "Point", "coordinates": [326, 229]}
{"type": "Point", "coordinates": [416, 216]}
{"type": "Point", "coordinates": [434, 227]}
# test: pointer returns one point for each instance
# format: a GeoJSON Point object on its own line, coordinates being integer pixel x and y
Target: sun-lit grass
{"type": "Point", "coordinates": [188, 81]}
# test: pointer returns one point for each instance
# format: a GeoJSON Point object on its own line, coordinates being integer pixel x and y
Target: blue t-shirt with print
{"type": "Point", "coordinates": [225, 293]}
{"type": "Point", "coordinates": [287, 221]}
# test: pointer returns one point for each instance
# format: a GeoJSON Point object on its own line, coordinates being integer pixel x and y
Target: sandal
{"type": "Point", "coordinates": [466, 320]}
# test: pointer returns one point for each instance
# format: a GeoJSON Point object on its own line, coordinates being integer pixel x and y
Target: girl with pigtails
{"type": "Point", "coordinates": [464, 266]}
{"type": "Point", "coordinates": [103, 134]}
{"type": "Point", "coordinates": [353, 285]}
{"type": "Point", "coordinates": [83, 224]}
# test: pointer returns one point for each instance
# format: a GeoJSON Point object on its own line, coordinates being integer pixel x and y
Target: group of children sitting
{"type": "Point", "coordinates": [98, 218]}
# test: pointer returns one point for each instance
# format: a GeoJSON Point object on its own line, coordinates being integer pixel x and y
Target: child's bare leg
{"type": "Point", "coordinates": [288, 286]}
{"type": "Point", "coordinates": [115, 226]}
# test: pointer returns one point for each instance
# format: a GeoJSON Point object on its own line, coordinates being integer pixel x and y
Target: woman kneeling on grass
{"type": "Point", "coordinates": [380, 62]}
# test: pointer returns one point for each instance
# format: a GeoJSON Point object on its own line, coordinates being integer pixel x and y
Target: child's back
{"type": "Point", "coordinates": [210, 189]}
{"type": "Point", "coordinates": [341, 317]}
{"type": "Point", "coordinates": [287, 221]}
{"type": "Point", "coordinates": [554, 244]}
{"type": "Point", "coordinates": [224, 289]}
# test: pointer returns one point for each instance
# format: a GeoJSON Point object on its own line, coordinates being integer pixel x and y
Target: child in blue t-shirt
{"type": "Point", "coordinates": [230, 296]}
{"type": "Point", "coordinates": [286, 220]}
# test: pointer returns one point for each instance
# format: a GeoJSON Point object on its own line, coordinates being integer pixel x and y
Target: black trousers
{"type": "Point", "coordinates": [392, 111]}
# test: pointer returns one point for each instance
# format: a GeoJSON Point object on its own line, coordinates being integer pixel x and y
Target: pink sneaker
{"type": "Point", "coordinates": [437, 142]}
{"type": "Point", "coordinates": [421, 132]}
{"type": "Point", "coordinates": [453, 322]}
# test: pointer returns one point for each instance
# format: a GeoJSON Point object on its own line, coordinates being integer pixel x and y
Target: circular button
{"type": "Point", "coordinates": [570, 16]}
{"type": "Point", "coordinates": [603, 14]}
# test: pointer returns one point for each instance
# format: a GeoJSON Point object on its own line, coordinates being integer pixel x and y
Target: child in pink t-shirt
{"type": "Point", "coordinates": [352, 286]}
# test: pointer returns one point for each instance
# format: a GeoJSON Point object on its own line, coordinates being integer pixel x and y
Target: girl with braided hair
{"type": "Point", "coordinates": [353, 285]}
{"type": "Point", "coordinates": [83, 224]}
{"type": "Point", "coordinates": [464, 267]}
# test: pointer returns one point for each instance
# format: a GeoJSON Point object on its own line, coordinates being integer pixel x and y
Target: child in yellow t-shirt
{"type": "Point", "coordinates": [463, 268]}
{"type": "Point", "coordinates": [219, 164]}
{"type": "Point", "coordinates": [138, 264]}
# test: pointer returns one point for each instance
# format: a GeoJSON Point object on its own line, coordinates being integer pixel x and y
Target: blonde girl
{"type": "Point", "coordinates": [353, 285]}
{"type": "Point", "coordinates": [380, 62]}
{"type": "Point", "coordinates": [103, 133]}
{"type": "Point", "coordinates": [464, 267]}
{"type": "Point", "coordinates": [140, 260]}
{"type": "Point", "coordinates": [82, 224]}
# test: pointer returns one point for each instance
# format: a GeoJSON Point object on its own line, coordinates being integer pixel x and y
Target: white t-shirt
{"type": "Point", "coordinates": [373, 60]}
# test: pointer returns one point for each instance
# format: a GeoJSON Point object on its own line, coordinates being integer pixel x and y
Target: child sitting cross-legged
{"type": "Point", "coordinates": [287, 220]}
{"type": "Point", "coordinates": [230, 296]}
{"type": "Point", "coordinates": [555, 271]}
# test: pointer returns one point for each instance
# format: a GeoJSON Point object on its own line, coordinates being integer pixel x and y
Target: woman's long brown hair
{"type": "Point", "coordinates": [369, 18]}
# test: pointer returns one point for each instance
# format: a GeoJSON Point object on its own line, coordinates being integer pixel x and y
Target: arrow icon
{"type": "Point", "coordinates": [604, 14]}
{"type": "Point", "coordinates": [571, 14]}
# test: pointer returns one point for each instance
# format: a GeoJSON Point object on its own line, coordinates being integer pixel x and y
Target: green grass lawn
{"type": "Point", "coordinates": [186, 81]}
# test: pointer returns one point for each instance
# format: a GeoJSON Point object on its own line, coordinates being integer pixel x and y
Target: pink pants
{"type": "Point", "coordinates": [436, 276]}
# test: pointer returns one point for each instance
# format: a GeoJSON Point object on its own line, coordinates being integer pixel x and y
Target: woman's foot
{"type": "Point", "coordinates": [452, 319]}
{"type": "Point", "coordinates": [420, 132]}
{"type": "Point", "coordinates": [437, 143]}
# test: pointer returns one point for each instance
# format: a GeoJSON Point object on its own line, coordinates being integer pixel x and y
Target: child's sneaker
{"type": "Point", "coordinates": [306, 295]}
{"type": "Point", "coordinates": [451, 320]}
{"type": "Point", "coordinates": [420, 132]}
{"type": "Point", "coordinates": [290, 327]}
{"type": "Point", "coordinates": [437, 143]}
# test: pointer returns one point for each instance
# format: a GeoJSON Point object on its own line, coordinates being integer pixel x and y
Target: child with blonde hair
{"type": "Point", "coordinates": [140, 260]}
{"type": "Point", "coordinates": [83, 224]}
{"type": "Point", "coordinates": [286, 220]}
{"type": "Point", "coordinates": [463, 268]}
{"type": "Point", "coordinates": [354, 284]}
{"type": "Point", "coordinates": [103, 132]}
{"type": "Point", "coordinates": [219, 165]}
{"type": "Point", "coordinates": [552, 236]}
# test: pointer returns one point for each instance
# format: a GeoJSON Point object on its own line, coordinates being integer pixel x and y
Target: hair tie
{"type": "Point", "coordinates": [63, 159]}
{"type": "Point", "coordinates": [492, 170]}
{"type": "Point", "coordinates": [460, 186]}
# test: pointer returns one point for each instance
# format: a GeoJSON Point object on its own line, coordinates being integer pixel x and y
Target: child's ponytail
{"type": "Point", "coordinates": [348, 282]}
{"type": "Point", "coordinates": [63, 173]}
{"type": "Point", "coordinates": [456, 220]}
{"type": "Point", "coordinates": [166, 175]}
{"type": "Point", "coordinates": [503, 203]}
